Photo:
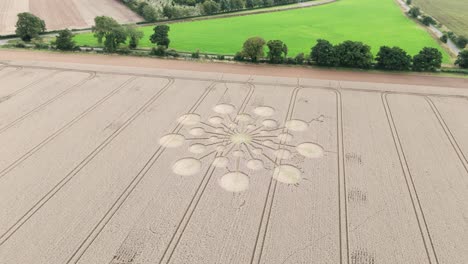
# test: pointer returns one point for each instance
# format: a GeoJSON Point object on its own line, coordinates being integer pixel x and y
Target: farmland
{"type": "Point", "coordinates": [111, 162]}
{"type": "Point", "coordinates": [374, 22]}
{"type": "Point", "coordinates": [60, 14]}
{"type": "Point", "coordinates": [451, 13]}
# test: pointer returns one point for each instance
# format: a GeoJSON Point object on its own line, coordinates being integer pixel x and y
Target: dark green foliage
{"type": "Point", "coordinates": [29, 26]}
{"type": "Point", "coordinates": [249, 3]}
{"type": "Point", "coordinates": [103, 25]}
{"type": "Point", "coordinates": [64, 40]}
{"type": "Point", "coordinates": [408, 2]}
{"type": "Point", "coordinates": [414, 12]}
{"type": "Point", "coordinates": [161, 35]}
{"type": "Point", "coordinates": [237, 4]}
{"type": "Point", "coordinates": [158, 51]}
{"type": "Point", "coordinates": [324, 54]}
{"type": "Point", "coordinates": [428, 59]}
{"type": "Point", "coordinates": [172, 53]}
{"type": "Point", "coordinates": [461, 41]}
{"type": "Point", "coordinates": [393, 59]}
{"type": "Point", "coordinates": [427, 20]}
{"type": "Point", "coordinates": [444, 38]}
{"type": "Point", "coordinates": [225, 5]}
{"type": "Point", "coordinates": [149, 13]}
{"type": "Point", "coordinates": [220, 57]}
{"type": "Point", "coordinates": [354, 54]}
{"type": "Point", "coordinates": [253, 48]}
{"type": "Point", "coordinates": [299, 58]}
{"type": "Point", "coordinates": [135, 35]}
{"type": "Point", "coordinates": [209, 7]}
{"type": "Point", "coordinates": [196, 54]}
{"type": "Point", "coordinates": [239, 56]}
{"type": "Point", "coordinates": [114, 37]}
{"type": "Point", "coordinates": [462, 59]}
{"type": "Point", "coordinates": [277, 51]}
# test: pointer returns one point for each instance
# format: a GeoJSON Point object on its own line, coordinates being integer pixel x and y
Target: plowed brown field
{"type": "Point", "coordinates": [59, 14]}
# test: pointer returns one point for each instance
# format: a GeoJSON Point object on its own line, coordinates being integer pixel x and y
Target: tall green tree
{"type": "Point", "coordinates": [253, 48]}
{"type": "Point", "coordinates": [161, 36]}
{"type": "Point", "coordinates": [29, 26]}
{"type": "Point", "coordinates": [64, 40]}
{"type": "Point", "coordinates": [134, 35]}
{"type": "Point", "coordinates": [354, 54]}
{"type": "Point", "coordinates": [428, 59]}
{"type": "Point", "coordinates": [277, 51]}
{"type": "Point", "coordinates": [462, 59]}
{"type": "Point", "coordinates": [393, 59]}
{"type": "Point", "coordinates": [115, 37]}
{"type": "Point", "coordinates": [323, 53]}
{"type": "Point", "coordinates": [103, 25]}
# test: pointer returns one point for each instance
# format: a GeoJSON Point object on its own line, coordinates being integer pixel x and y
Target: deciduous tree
{"type": "Point", "coordinates": [161, 35]}
{"type": "Point", "coordinates": [393, 59]}
{"type": "Point", "coordinates": [277, 51]}
{"type": "Point", "coordinates": [462, 59]}
{"type": "Point", "coordinates": [253, 48]}
{"type": "Point", "coordinates": [29, 26]}
{"type": "Point", "coordinates": [354, 54]}
{"type": "Point", "coordinates": [428, 59]}
{"type": "Point", "coordinates": [324, 54]}
{"type": "Point", "coordinates": [64, 40]}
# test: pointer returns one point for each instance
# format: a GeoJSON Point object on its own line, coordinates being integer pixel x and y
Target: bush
{"type": "Point", "coordinates": [20, 44]}
{"type": "Point", "coordinates": [41, 45]}
{"type": "Point", "coordinates": [461, 42]}
{"type": "Point", "coordinates": [124, 51]}
{"type": "Point", "coordinates": [149, 13]}
{"type": "Point", "coordinates": [29, 26]}
{"type": "Point", "coordinates": [239, 56]}
{"type": "Point", "coordinates": [414, 12]}
{"type": "Point", "coordinates": [172, 53]}
{"type": "Point", "coordinates": [444, 38]}
{"type": "Point", "coordinates": [64, 40]}
{"type": "Point", "coordinates": [196, 54]}
{"type": "Point", "coordinates": [220, 57]}
{"type": "Point", "coordinates": [290, 60]}
{"type": "Point", "coordinates": [299, 58]}
{"type": "Point", "coordinates": [393, 59]}
{"type": "Point", "coordinates": [158, 51]}
{"type": "Point", "coordinates": [323, 53]}
{"type": "Point", "coordinates": [408, 2]}
{"type": "Point", "coordinates": [462, 59]}
{"type": "Point", "coordinates": [354, 54]}
{"type": "Point", "coordinates": [427, 20]}
{"type": "Point", "coordinates": [428, 59]}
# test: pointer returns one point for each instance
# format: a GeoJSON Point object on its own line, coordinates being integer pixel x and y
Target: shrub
{"type": "Point", "coordinates": [172, 53]}
{"type": "Point", "coordinates": [290, 60]}
{"type": "Point", "coordinates": [239, 56]}
{"type": "Point", "coordinates": [427, 20]}
{"type": "Point", "coordinates": [220, 57]}
{"type": "Point", "coordinates": [393, 59]}
{"type": "Point", "coordinates": [444, 38]}
{"type": "Point", "coordinates": [461, 42]}
{"type": "Point", "coordinates": [408, 2]}
{"type": "Point", "coordinates": [149, 13]}
{"type": "Point", "coordinates": [196, 54]}
{"type": "Point", "coordinates": [64, 40]}
{"type": "Point", "coordinates": [354, 54]}
{"type": "Point", "coordinates": [29, 26]}
{"type": "Point", "coordinates": [428, 59]}
{"type": "Point", "coordinates": [20, 44]}
{"type": "Point", "coordinates": [158, 51]}
{"type": "Point", "coordinates": [462, 59]}
{"type": "Point", "coordinates": [323, 53]}
{"type": "Point", "coordinates": [299, 58]}
{"type": "Point", "coordinates": [414, 12]}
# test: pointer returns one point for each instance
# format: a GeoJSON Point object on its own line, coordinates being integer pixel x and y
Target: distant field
{"type": "Point", "coordinates": [375, 22]}
{"type": "Point", "coordinates": [452, 13]}
{"type": "Point", "coordinates": [60, 14]}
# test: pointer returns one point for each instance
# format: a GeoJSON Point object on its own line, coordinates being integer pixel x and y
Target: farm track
{"type": "Point", "coordinates": [113, 194]}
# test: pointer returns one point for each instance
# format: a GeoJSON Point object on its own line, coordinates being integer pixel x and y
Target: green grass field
{"type": "Point", "coordinates": [451, 13]}
{"type": "Point", "coordinates": [375, 22]}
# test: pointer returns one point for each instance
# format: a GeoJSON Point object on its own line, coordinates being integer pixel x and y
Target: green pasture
{"type": "Point", "coordinates": [375, 22]}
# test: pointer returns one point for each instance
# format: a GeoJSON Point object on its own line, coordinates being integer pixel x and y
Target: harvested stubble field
{"type": "Point", "coordinates": [60, 14]}
{"type": "Point", "coordinates": [104, 164]}
{"type": "Point", "coordinates": [451, 13]}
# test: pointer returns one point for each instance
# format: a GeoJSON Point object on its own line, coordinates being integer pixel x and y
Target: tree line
{"type": "Point", "coordinates": [351, 54]}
